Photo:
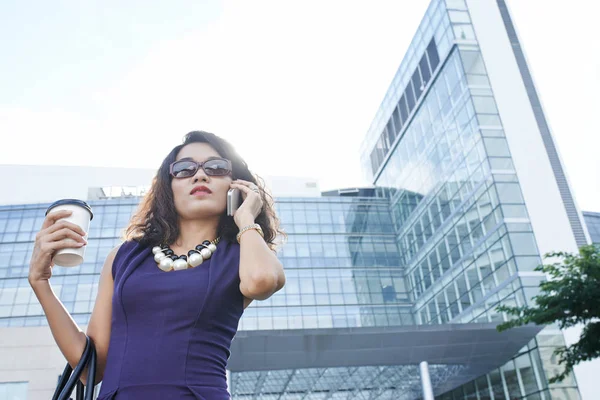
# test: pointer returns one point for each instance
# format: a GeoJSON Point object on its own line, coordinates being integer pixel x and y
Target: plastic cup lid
{"type": "Point", "coordinates": [74, 202]}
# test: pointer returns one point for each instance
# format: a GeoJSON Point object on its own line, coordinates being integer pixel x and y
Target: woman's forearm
{"type": "Point", "coordinates": [67, 335]}
{"type": "Point", "coordinates": [261, 272]}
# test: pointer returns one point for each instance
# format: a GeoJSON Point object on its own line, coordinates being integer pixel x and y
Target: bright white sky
{"type": "Point", "coordinates": [293, 84]}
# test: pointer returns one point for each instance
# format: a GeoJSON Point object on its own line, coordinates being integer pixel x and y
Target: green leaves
{"type": "Point", "coordinates": [570, 297]}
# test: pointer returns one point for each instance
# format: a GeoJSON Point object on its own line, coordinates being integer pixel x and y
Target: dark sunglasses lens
{"type": "Point", "coordinates": [184, 169]}
{"type": "Point", "coordinates": [217, 167]}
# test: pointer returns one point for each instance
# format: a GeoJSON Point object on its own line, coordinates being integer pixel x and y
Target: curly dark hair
{"type": "Point", "coordinates": [156, 220]}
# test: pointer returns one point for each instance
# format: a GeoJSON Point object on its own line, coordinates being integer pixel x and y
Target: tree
{"type": "Point", "coordinates": [570, 297]}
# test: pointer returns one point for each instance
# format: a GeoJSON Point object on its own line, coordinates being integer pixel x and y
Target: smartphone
{"type": "Point", "coordinates": [234, 199]}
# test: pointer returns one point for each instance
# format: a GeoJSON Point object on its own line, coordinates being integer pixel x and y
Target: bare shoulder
{"type": "Point", "coordinates": [109, 267]}
{"type": "Point", "coordinates": [113, 253]}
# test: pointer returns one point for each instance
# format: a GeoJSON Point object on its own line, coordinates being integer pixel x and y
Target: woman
{"type": "Point", "coordinates": [162, 322]}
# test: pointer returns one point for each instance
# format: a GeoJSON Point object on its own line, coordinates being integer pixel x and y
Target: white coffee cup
{"type": "Point", "coordinates": [81, 216]}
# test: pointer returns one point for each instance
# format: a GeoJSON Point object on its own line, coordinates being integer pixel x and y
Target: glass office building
{"type": "Point", "coordinates": [341, 265]}
{"type": "Point", "coordinates": [343, 271]}
{"type": "Point", "coordinates": [452, 151]}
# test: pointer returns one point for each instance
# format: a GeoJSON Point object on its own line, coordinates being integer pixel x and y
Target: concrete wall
{"type": "Point", "coordinates": [30, 354]}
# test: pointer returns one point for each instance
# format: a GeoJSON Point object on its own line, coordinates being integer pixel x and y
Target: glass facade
{"type": "Point", "coordinates": [341, 265]}
{"type": "Point", "coordinates": [342, 270]}
{"type": "Point", "coordinates": [76, 287]}
{"type": "Point", "coordinates": [463, 232]}
{"type": "Point", "coordinates": [592, 221]}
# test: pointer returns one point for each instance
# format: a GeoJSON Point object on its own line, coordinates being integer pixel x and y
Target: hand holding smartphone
{"type": "Point", "coordinates": [234, 200]}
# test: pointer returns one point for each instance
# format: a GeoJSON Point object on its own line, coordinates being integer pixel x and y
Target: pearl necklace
{"type": "Point", "coordinates": [167, 260]}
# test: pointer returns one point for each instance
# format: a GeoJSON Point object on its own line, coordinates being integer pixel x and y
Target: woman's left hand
{"type": "Point", "coordinates": [251, 205]}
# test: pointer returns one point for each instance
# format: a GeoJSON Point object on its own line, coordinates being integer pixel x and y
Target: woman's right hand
{"type": "Point", "coordinates": [53, 236]}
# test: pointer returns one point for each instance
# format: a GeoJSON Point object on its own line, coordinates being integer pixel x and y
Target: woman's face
{"type": "Point", "coordinates": [191, 201]}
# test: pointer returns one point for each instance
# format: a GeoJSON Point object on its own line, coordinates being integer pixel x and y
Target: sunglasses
{"type": "Point", "coordinates": [213, 167]}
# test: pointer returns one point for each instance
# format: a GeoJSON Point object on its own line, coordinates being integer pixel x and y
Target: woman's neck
{"type": "Point", "coordinates": [194, 232]}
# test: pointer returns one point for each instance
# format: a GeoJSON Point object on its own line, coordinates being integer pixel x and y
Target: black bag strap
{"type": "Point", "coordinates": [68, 380]}
{"type": "Point", "coordinates": [91, 376]}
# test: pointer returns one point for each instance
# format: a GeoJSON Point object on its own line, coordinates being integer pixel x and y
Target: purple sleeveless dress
{"type": "Point", "coordinates": [171, 331]}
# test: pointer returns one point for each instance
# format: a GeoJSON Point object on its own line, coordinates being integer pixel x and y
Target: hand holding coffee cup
{"type": "Point", "coordinates": [61, 239]}
{"type": "Point", "coordinates": [81, 215]}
